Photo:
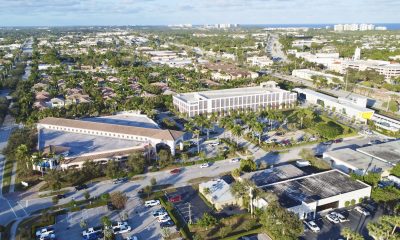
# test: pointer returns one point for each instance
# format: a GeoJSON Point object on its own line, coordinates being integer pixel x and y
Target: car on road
{"type": "Point", "coordinates": [205, 165]}
{"type": "Point", "coordinates": [279, 133]}
{"type": "Point", "coordinates": [376, 141]}
{"type": "Point", "coordinates": [339, 140]}
{"type": "Point", "coordinates": [175, 171]}
{"type": "Point", "coordinates": [213, 144]}
{"type": "Point", "coordinates": [332, 218]}
{"type": "Point", "coordinates": [312, 226]}
{"type": "Point", "coordinates": [167, 224]}
{"type": "Point", "coordinates": [120, 180]}
{"type": "Point", "coordinates": [235, 160]}
{"type": "Point", "coordinates": [44, 231]}
{"type": "Point", "coordinates": [152, 203]}
{"type": "Point", "coordinates": [327, 143]}
{"type": "Point", "coordinates": [362, 210]}
{"type": "Point", "coordinates": [81, 187]}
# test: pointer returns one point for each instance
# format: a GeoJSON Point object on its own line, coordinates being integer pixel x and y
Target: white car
{"type": "Point", "coordinates": [159, 213]}
{"type": "Point", "coordinates": [362, 210]}
{"type": "Point", "coordinates": [44, 232]}
{"type": "Point", "coordinates": [90, 231]}
{"type": "Point", "coordinates": [213, 144]}
{"type": "Point", "coordinates": [152, 203]}
{"type": "Point", "coordinates": [235, 160]}
{"type": "Point", "coordinates": [132, 238]}
{"type": "Point", "coordinates": [342, 218]}
{"type": "Point", "coordinates": [205, 165]}
{"type": "Point", "coordinates": [164, 219]}
{"type": "Point", "coordinates": [122, 229]}
{"type": "Point", "coordinates": [313, 226]}
{"type": "Point", "coordinates": [119, 224]}
{"type": "Point", "coordinates": [332, 218]}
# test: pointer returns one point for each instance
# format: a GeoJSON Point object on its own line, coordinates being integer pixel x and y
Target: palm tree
{"type": "Point", "coordinates": [351, 235]}
{"type": "Point", "coordinates": [259, 128]}
{"type": "Point", "coordinates": [237, 131]}
{"type": "Point", "coordinates": [392, 220]}
{"type": "Point", "coordinates": [197, 134]}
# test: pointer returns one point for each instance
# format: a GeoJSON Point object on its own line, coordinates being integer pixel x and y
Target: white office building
{"type": "Point", "coordinates": [267, 95]}
{"type": "Point", "coordinates": [353, 108]}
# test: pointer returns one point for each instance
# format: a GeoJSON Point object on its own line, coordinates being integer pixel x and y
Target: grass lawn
{"type": "Point", "coordinates": [7, 175]}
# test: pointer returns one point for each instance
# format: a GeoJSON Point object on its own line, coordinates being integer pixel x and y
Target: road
{"type": "Point", "coordinates": [274, 48]}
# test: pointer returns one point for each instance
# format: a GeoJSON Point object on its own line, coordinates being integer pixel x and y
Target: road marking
{"type": "Point", "coordinates": [26, 214]}
{"type": "Point", "coordinates": [12, 209]}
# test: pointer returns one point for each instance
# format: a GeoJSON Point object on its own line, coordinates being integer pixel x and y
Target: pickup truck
{"type": "Point", "coordinates": [119, 224]}
{"type": "Point", "coordinates": [44, 231]}
{"type": "Point", "coordinates": [92, 230]}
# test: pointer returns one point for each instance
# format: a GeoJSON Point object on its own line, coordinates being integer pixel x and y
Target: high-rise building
{"type": "Point", "coordinates": [357, 54]}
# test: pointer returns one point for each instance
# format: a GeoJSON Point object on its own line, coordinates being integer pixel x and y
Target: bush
{"type": "Point", "coordinates": [347, 203]}
{"type": "Point", "coordinates": [329, 130]}
{"type": "Point", "coordinates": [353, 202]}
{"type": "Point", "coordinates": [248, 165]}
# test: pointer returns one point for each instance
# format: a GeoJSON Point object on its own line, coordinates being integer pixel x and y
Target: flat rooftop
{"type": "Point", "coordinates": [273, 175]}
{"type": "Point", "coordinates": [233, 92]}
{"type": "Point", "coordinates": [79, 144]}
{"type": "Point", "coordinates": [314, 187]}
{"type": "Point", "coordinates": [219, 190]}
{"type": "Point", "coordinates": [388, 152]}
{"type": "Point", "coordinates": [125, 119]}
{"type": "Point", "coordinates": [357, 159]}
{"type": "Point", "coordinates": [331, 99]}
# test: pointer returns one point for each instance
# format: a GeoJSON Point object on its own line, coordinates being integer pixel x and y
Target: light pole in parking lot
{"type": "Point", "coordinates": [190, 213]}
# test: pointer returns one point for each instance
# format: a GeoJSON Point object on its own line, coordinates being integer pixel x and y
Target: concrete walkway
{"type": "Point", "coordinates": [13, 176]}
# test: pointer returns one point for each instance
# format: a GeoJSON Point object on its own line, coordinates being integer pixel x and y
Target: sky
{"type": "Point", "coordinates": [165, 12]}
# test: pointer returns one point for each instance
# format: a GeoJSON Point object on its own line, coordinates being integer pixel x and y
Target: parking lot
{"type": "Point", "coordinates": [140, 219]}
{"type": "Point", "coordinates": [192, 200]}
{"type": "Point", "coordinates": [356, 221]}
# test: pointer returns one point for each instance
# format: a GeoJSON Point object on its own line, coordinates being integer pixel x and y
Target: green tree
{"type": "Point", "coordinates": [237, 131]}
{"type": "Point", "coordinates": [118, 199]}
{"type": "Point", "coordinates": [53, 179]}
{"type": "Point", "coordinates": [164, 157]}
{"type": "Point", "coordinates": [153, 181]}
{"type": "Point", "coordinates": [351, 235]}
{"type": "Point", "coordinates": [207, 221]}
{"type": "Point", "coordinates": [112, 169]}
{"type": "Point", "coordinates": [86, 195]}
{"type": "Point", "coordinates": [281, 223]}
{"type": "Point", "coordinates": [396, 170]}
{"type": "Point", "coordinates": [236, 172]}
{"type": "Point", "coordinates": [136, 162]}
{"type": "Point", "coordinates": [248, 165]}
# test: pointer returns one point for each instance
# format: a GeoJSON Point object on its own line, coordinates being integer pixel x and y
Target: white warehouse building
{"type": "Point", "coordinates": [307, 74]}
{"type": "Point", "coordinates": [267, 95]}
{"type": "Point", "coordinates": [308, 195]}
{"type": "Point", "coordinates": [352, 108]}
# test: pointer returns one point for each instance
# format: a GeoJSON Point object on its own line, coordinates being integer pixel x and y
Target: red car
{"type": "Point", "coordinates": [175, 171]}
{"type": "Point", "coordinates": [175, 199]}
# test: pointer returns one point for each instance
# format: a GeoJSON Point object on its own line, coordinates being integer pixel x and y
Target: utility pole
{"type": "Point", "coordinates": [251, 201]}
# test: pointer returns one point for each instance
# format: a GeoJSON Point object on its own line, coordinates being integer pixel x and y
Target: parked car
{"type": "Point", "coordinates": [44, 231]}
{"type": "Point", "coordinates": [362, 210]}
{"type": "Point", "coordinates": [120, 180]}
{"type": "Point", "coordinates": [235, 160]}
{"type": "Point", "coordinates": [110, 206]}
{"type": "Point", "coordinates": [175, 199]}
{"type": "Point", "coordinates": [205, 165]}
{"type": "Point", "coordinates": [332, 218]}
{"type": "Point", "coordinates": [312, 226]}
{"type": "Point", "coordinates": [175, 171]}
{"type": "Point", "coordinates": [80, 187]}
{"type": "Point", "coordinates": [167, 224]}
{"type": "Point", "coordinates": [91, 231]}
{"type": "Point", "coordinates": [164, 219]}
{"type": "Point", "coordinates": [159, 213]}
{"type": "Point", "coordinates": [122, 229]}
{"type": "Point", "coordinates": [48, 236]}
{"type": "Point", "coordinates": [152, 203]}
{"type": "Point", "coordinates": [133, 237]}
{"type": "Point", "coordinates": [339, 216]}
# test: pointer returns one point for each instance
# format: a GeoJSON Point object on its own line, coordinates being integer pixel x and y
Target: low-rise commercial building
{"type": "Point", "coordinates": [102, 139]}
{"type": "Point", "coordinates": [386, 123]}
{"type": "Point", "coordinates": [267, 95]}
{"type": "Point", "coordinates": [351, 161]}
{"type": "Point", "coordinates": [218, 193]}
{"type": "Point", "coordinates": [349, 107]}
{"type": "Point", "coordinates": [308, 195]}
{"type": "Point", "coordinates": [388, 152]}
